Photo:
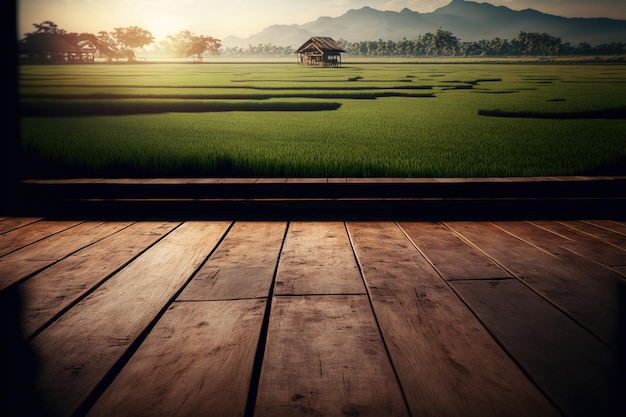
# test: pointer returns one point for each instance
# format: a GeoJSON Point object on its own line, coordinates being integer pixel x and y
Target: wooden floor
{"type": "Point", "coordinates": [314, 318]}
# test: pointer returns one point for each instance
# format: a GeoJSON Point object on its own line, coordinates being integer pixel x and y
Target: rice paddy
{"type": "Point", "coordinates": [362, 120]}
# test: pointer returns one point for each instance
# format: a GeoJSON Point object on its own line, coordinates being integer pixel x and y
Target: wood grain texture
{"type": "Point", "coordinates": [453, 257]}
{"type": "Point", "coordinates": [576, 286]}
{"type": "Point", "coordinates": [12, 223]}
{"type": "Point", "coordinates": [25, 261]}
{"type": "Point", "coordinates": [317, 259]}
{"type": "Point", "coordinates": [446, 361]}
{"type": "Point", "coordinates": [600, 230]}
{"type": "Point", "coordinates": [59, 286]}
{"type": "Point", "coordinates": [324, 356]}
{"type": "Point", "coordinates": [575, 369]}
{"type": "Point", "coordinates": [242, 266]}
{"type": "Point", "coordinates": [556, 236]}
{"type": "Point", "coordinates": [612, 225]}
{"type": "Point", "coordinates": [24, 236]}
{"type": "Point", "coordinates": [458, 340]}
{"type": "Point", "coordinates": [197, 361]}
{"type": "Point", "coordinates": [77, 350]}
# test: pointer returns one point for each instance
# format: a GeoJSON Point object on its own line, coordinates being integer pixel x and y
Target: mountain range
{"type": "Point", "coordinates": [467, 20]}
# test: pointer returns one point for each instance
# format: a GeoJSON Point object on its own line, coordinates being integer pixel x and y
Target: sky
{"type": "Point", "coordinates": [242, 18]}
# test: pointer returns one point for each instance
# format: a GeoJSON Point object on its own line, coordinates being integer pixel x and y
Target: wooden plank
{"type": "Point", "coordinates": [58, 287]}
{"type": "Point", "coordinates": [450, 255]}
{"type": "Point", "coordinates": [447, 362]}
{"type": "Point", "coordinates": [27, 260]}
{"type": "Point", "coordinates": [80, 348]}
{"type": "Point", "coordinates": [609, 231]}
{"type": "Point", "coordinates": [307, 180]}
{"type": "Point", "coordinates": [242, 266]}
{"type": "Point", "coordinates": [206, 180]}
{"type": "Point", "coordinates": [239, 181]}
{"type": "Point", "coordinates": [26, 235]}
{"type": "Point", "coordinates": [616, 226]}
{"type": "Point", "coordinates": [271, 180]}
{"type": "Point", "coordinates": [317, 259]}
{"type": "Point", "coordinates": [586, 291]}
{"type": "Point", "coordinates": [12, 223]}
{"type": "Point", "coordinates": [556, 234]}
{"type": "Point", "coordinates": [197, 361]}
{"type": "Point", "coordinates": [324, 356]}
{"type": "Point", "coordinates": [574, 368]}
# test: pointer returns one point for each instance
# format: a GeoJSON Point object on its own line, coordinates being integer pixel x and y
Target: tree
{"type": "Point", "coordinates": [46, 27]}
{"type": "Point", "coordinates": [186, 44]}
{"type": "Point", "coordinates": [131, 38]}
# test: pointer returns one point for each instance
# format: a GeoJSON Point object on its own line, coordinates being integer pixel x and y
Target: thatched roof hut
{"type": "Point", "coordinates": [320, 51]}
{"type": "Point", "coordinates": [51, 48]}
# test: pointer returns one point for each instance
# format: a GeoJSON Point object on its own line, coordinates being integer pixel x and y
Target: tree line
{"type": "Point", "coordinates": [123, 42]}
{"type": "Point", "coordinates": [444, 43]}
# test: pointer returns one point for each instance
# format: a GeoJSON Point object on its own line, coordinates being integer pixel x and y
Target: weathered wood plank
{"type": "Point", "coordinates": [80, 348]}
{"type": "Point", "coordinates": [574, 368]}
{"type": "Point", "coordinates": [26, 235]}
{"type": "Point", "coordinates": [12, 223]}
{"type": "Point", "coordinates": [307, 180]}
{"type": "Point", "coordinates": [242, 266]}
{"type": "Point", "coordinates": [197, 361]}
{"type": "Point", "coordinates": [56, 288]}
{"type": "Point", "coordinates": [324, 356]}
{"type": "Point", "coordinates": [603, 230]}
{"type": "Point", "coordinates": [271, 180]}
{"type": "Point", "coordinates": [447, 362]}
{"type": "Point", "coordinates": [614, 226]}
{"type": "Point", "coordinates": [29, 259]}
{"type": "Point", "coordinates": [317, 259]}
{"type": "Point", "coordinates": [576, 286]}
{"type": "Point", "coordinates": [453, 257]}
{"type": "Point", "coordinates": [582, 244]}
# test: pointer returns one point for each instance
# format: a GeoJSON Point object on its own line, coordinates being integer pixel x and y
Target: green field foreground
{"type": "Point", "coordinates": [362, 120]}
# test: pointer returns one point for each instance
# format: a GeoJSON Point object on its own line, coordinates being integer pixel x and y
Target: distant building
{"type": "Point", "coordinates": [67, 48]}
{"type": "Point", "coordinates": [49, 48]}
{"type": "Point", "coordinates": [320, 52]}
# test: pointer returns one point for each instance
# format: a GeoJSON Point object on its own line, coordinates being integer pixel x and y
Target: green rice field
{"type": "Point", "coordinates": [362, 120]}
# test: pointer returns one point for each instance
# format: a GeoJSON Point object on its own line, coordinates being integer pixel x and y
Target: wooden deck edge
{"type": "Point", "coordinates": [324, 188]}
{"type": "Point", "coordinates": [428, 198]}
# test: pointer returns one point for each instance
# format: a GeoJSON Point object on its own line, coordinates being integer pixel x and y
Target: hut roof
{"type": "Point", "coordinates": [322, 44]}
{"type": "Point", "coordinates": [47, 42]}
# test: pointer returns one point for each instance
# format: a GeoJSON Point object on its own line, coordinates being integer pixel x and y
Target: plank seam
{"type": "Point", "coordinates": [592, 222]}
{"type": "Point", "coordinates": [574, 252]}
{"type": "Point", "coordinates": [599, 238]}
{"type": "Point", "coordinates": [19, 227]}
{"type": "Point", "coordinates": [126, 356]}
{"type": "Point", "coordinates": [94, 287]}
{"type": "Point", "coordinates": [380, 331]}
{"type": "Point", "coordinates": [56, 261]}
{"type": "Point", "coordinates": [473, 312]}
{"type": "Point", "coordinates": [531, 288]}
{"type": "Point", "coordinates": [255, 376]}
{"type": "Point", "coordinates": [43, 238]}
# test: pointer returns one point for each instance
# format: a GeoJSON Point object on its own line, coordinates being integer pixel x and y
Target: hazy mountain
{"type": "Point", "coordinates": [467, 20]}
